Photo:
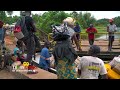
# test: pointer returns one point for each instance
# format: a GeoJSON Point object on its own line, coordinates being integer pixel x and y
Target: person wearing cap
{"type": "Point", "coordinates": [45, 57]}
{"type": "Point", "coordinates": [91, 34]}
{"type": "Point", "coordinates": [91, 67]}
{"type": "Point", "coordinates": [111, 29]}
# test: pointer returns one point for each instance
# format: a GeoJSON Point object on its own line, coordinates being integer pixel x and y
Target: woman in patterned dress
{"type": "Point", "coordinates": [65, 55]}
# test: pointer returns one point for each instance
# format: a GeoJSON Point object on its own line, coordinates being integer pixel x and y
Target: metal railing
{"type": "Point", "coordinates": [86, 34]}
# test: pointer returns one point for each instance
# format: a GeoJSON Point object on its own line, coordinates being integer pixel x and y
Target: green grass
{"type": "Point", "coordinates": [99, 29]}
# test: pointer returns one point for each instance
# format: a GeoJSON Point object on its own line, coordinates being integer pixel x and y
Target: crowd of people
{"type": "Point", "coordinates": [90, 67]}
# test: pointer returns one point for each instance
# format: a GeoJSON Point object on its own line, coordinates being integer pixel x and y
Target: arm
{"type": "Point", "coordinates": [115, 28]}
{"type": "Point", "coordinates": [47, 56]}
{"type": "Point", "coordinates": [87, 31]}
{"type": "Point", "coordinates": [103, 71]}
{"type": "Point", "coordinates": [80, 67]}
{"type": "Point", "coordinates": [79, 72]}
{"type": "Point", "coordinates": [107, 28]}
{"type": "Point", "coordinates": [32, 24]}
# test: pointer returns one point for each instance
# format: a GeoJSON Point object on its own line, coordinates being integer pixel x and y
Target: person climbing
{"type": "Point", "coordinates": [2, 36]}
{"type": "Point", "coordinates": [91, 34]}
{"type": "Point", "coordinates": [111, 29]}
{"type": "Point", "coordinates": [29, 39]}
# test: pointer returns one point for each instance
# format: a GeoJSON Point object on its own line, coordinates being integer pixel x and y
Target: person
{"type": "Point", "coordinates": [45, 57]}
{"type": "Point", "coordinates": [90, 67]}
{"type": "Point", "coordinates": [76, 36]}
{"type": "Point", "coordinates": [16, 50]}
{"type": "Point", "coordinates": [18, 54]}
{"type": "Point", "coordinates": [111, 29]}
{"type": "Point", "coordinates": [2, 36]}
{"type": "Point", "coordinates": [21, 45]}
{"type": "Point", "coordinates": [29, 41]}
{"type": "Point", "coordinates": [91, 34]}
{"type": "Point", "coordinates": [65, 55]}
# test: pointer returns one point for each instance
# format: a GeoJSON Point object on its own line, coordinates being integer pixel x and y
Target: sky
{"type": "Point", "coordinates": [96, 14]}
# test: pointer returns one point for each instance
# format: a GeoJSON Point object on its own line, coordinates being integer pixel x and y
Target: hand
{"type": "Point", "coordinates": [91, 32]}
{"type": "Point", "coordinates": [111, 32]}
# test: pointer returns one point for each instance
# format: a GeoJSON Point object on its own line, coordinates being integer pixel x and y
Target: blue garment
{"type": "Point", "coordinates": [77, 29]}
{"type": "Point", "coordinates": [15, 51]}
{"type": "Point", "coordinates": [1, 34]}
{"type": "Point", "coordinates": [45, 64]}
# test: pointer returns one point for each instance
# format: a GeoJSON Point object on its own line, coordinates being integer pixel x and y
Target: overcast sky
{"type": "Point", "coordinates": [96, 14]}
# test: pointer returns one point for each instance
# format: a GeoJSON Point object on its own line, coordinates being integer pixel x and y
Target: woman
{"type": "Point", "coordinates": [65, 56]}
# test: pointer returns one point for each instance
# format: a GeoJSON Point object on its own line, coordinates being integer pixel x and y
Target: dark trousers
{"type": "Point", "coordinates": [111, 39]}
{"type": "Point", "coordinates": [91, 41]}
{"type": "Point", "coordinates": [30, 46]}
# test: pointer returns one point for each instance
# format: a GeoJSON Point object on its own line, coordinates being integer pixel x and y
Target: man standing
{"type": "Point", "coordinates": [76, 36]}
{"type": "Point", "coordinates": [111, 29]}
{"type": "Point", "coordinates": [29, 40]}
{"type": "Point", "coordinates": [2, 35]}
{"type": "Point", "coordinates": [91, 67]}
{"type": "Point", "coordinates": [91, 31]}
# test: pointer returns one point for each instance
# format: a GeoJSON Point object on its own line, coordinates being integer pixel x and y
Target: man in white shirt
{"type": "Point", "coordinates": [111, 29]}
{"type": "Point", "coordinates": [91, 67]}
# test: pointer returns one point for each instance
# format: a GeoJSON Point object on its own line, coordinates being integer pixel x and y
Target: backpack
{"type": "Point", "coordinates": [60, 33]}
{"type": "Point", "coordinates": [20, 30]}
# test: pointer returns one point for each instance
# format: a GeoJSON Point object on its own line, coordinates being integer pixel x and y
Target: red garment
{"type": "Point", "coordinates": [1, 24]}
{"type": "Point", "coordinates": [91, 35]}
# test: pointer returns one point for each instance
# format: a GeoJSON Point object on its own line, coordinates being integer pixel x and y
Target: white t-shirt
{"type": "Point", "coordinates": [91, 67]}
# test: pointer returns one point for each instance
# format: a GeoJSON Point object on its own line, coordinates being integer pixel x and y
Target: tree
{"type": "Point", "coordinates": [74, 14]}
{"type": "Point", "coordinates": [3, 16]}
{"type": "Point", "coordinates": [117, 21]}
{"type": "Point", "coordinates": [102, 22]}
{"type": "Point", "coordinates": [9, 12]}
{"type": "Point", "coordinates": [49, 18]}
{"type": "Point", "coordinates": [85, 19]}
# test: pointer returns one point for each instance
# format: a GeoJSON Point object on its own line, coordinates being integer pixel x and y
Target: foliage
{"type": "Point", "coordinates": [45, 20]}
{"type": "Point", "coordinates": [117, 21]}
